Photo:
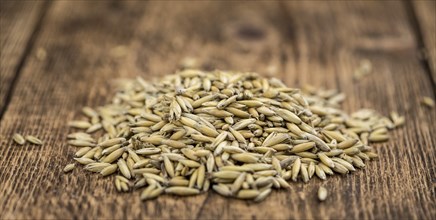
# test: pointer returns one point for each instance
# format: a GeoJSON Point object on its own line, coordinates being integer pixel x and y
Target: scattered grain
{"type": "Point", "coordinates": [33, 140]}
{"type": "Point", "coordinates": [322, 193]}
{"type": "Point", "coordinates": [69, 167]}
{"type": "Point", "coordinates": [19, 139]}
{"type": "Point", "coordinates": [428, 102]}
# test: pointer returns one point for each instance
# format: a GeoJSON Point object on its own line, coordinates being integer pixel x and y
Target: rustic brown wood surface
{"type": "Point", "coordinates": [17, 24]}
{"type": "Point", "coordinates": [320, 43]}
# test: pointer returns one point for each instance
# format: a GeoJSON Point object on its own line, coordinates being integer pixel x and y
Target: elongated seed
{"type": "Point", "coordinates": [113, 156]}
{"type": "Point", "coordinates": [109, 170]}
{"type": "Point", "coordinates": [303, 147]}
{"type": "Point", "coordinates": [296, 167]}
{"type": "Point", "coordinates": [96, 166]}
{"type": "Point", "coordinates": [82, 151]}
{"type": "Point", "coordinates": [227, 174]}
{"type": "Point", "coordinates": [168, 166]}
{"type": "Point", "coordinates": [122, 165]}
{"type": "Point", "coordinates": [326, 160]}
{"type": "Point", "coordinates": [320, 172]}
{"type": "Point", "coordinates": [84, 161]}
{"type": "Point", "coordinates": [154, 177]}
{"type": "Point", "coordinates": [247, 194]}
{"type": "Point", "coordinates": [201, 176]}
{"type": "Point", "coordinates": [311, 169]}
{"type": "Point", "coordinates": [378, 137]}
{"type": "Point", "coordinates": [111, 142]}
{"type": "Point", "coordinates": [154, 193]}
{"type": "Point", "coordinates": [79, 124]}
{"type": "Point", "coordinates": [287, 115]}
{"type": "Point", "coordinates": [146, 193]}
{"type": "Point", "coordinates": [33, 140]}
{"type": "Point", "coordinates": [182, 191]}
{"type": "Point", "coordinates": [258, 166]}
{"type": "Point", "coordinates": [245, 157]}
{"type": "Point", "coordinates": [304, 173]}
{"type": "Point", "coordinates": [148, 151]}
{"type": "Point", "coordinates": [178, 182]}
{"type": "Point", "coordinates": [322, 193]}
{"type": "Point", "coordinates": [19, 139]}
{"type": "Point", "coordinates": [222, 189]}
{"type": "Point", "coordinates": [146, 170]}
{"type": "Point", "coordinates": [237, 184]}
{"type": "Point", "coordinates": [118, 185]}
{"type": "Point", "coordinates": [190, 163]}
{"type": "Point", "coordinates": [69, 167]}
{"type": "Point", "coordinates": [427, 101]}
{"type": "Point", "coordinates": [263, 195]}
{"type": "Point", "coordinates": [193, 179]}
{"type": "Point", "coordinates": [340, 168]}
{"type": "Point", "coordinates": [344, 163]}
{"type": "Point", "coordinates": [81, 143]}
{"type": "Point", "coordinates": [347, 143]}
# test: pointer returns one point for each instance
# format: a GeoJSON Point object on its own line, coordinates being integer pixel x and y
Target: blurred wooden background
{"type": "Point", "coordinates": [57, 56]}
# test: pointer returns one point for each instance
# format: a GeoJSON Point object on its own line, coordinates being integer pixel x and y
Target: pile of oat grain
{"type": "Point", "coordinates": [238, 133]}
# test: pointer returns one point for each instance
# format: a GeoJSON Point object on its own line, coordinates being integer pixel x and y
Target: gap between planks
{"type": "Point", "coordinates": [27, 52]}
{"type": "Point", "coordinates": [419, 37]}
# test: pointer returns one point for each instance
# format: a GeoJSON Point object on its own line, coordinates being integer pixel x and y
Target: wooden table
{"type": "Point", "coordinates": [59, 56]}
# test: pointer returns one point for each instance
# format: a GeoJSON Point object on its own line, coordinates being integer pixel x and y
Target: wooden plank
{"type": "Point", "coordinates": [82, 41]}
{"type": "Point", "coordinates": [425, 11]}
{"type": "Point", "coordinates": [312, 41]}
{"type": "Point", "coordinates": [330, 40]}
{"type": "Point", "coordinates": [17, 22]}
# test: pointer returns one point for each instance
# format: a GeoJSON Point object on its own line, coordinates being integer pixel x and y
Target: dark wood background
{"type": "Point", "coordinates": [315, 42]}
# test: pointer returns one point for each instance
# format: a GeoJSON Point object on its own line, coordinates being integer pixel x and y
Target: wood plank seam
{"type": "Point", "coordinates": [419, 37]}
{"type": "Point", "coordinates": [200, 210]}
{"type": "Point", "coordinates": [25, 55]}
{"type": "Point", "coordinates": [285, 12]}
{"type": "Point", "coordinates": [289, 25]}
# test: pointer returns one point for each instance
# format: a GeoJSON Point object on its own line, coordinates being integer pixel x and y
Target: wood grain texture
{"type": "Point", "coordinates": [425, 12]}
{"type": "Point", "coordinates": [17, 23]}
{"type": "Point", "coordinates": [305, 42]}
{"type": "Point", "coordinates": [331, 40]}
